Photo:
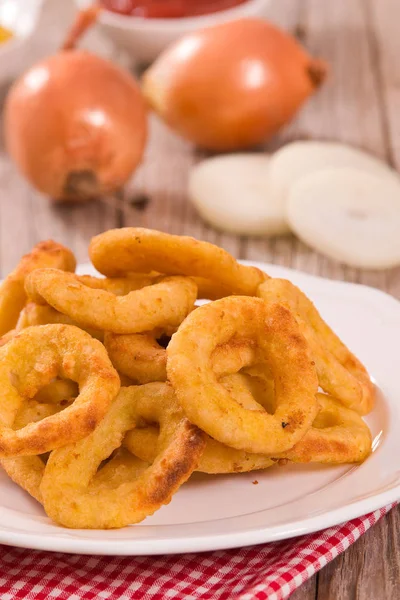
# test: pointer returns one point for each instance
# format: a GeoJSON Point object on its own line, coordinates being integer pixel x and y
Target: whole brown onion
{"type": "Point", "coordinates": [76, 125]}
{"type": "Point", "coordinates": [233, 85]}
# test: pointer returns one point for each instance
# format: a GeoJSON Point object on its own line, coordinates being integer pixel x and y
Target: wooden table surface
{"type": "Point", "coordinates": [358, 105]}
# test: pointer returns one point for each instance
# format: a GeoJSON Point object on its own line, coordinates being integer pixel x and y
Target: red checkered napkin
{"type": "Point", "coordinates": [272, 571]}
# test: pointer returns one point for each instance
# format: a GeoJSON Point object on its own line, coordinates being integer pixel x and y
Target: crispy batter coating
{"type": "Point", "coordinates": [12, 290]}
{"type": "Point", "coordinates": [27, 471]}
{"type": "Point", "coordinates": [208, 289]}
{"type": "Point", "coordinates": [32, 360]}
{"type": "Point", "coordinates": [59, 391]}
{"type": "Point", "coordinates": [340, 373]}
{"type": "Point", "coordinates": [279, 346]}
{"type": "Point", "coordinates": [71, 495]}
{"type": "Point", "coordinates": [167, 301]}
{"type": "Point", "coordinates": [119, 286]}
{"type": "Point", "coordinates": [216, 458]}
{"type": "Point", "coordinates": [141, 358]}
{"type": "Point", "coordinates": [8, 336]}
{"type": "Point", "coordinates": [138, 356]}
{"type": "Point", "coordinates": [338, 435]}
{"type": "Point", "coordinates": [43, 314]}
{"type": "Point", "coordinates": [120, 251]}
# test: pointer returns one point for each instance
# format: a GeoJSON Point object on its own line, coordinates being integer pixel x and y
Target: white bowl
{"type": "Point", "coordinates": [144, 38]}
{"type": "Point", "coordinates": [22, 18]}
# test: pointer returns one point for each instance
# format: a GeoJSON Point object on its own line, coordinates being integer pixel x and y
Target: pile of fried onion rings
{"type": "Point", "coordinates": [115, 389]}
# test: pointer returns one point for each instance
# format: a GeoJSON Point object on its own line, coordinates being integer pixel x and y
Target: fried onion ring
{"type": "Point", "coordinates": [8, 336]}
{"type": "Point", "coordinates": [12, 290]}
{"type": "Point", "coordinates": [273, 334]}
{"type": "Point", "coordinates": [70, 476]}
{"type": "Point", "coordinates": [59, 391]}
{"type": "Point", "coordinates": [138, 356]}
{"type": "Point", "coordinates": [340, 373]}
{"type": "Point", "coordinates": [216, 458]}
{"type": "Point", "coordinates": [43, 314]}
{"type": "Point", "coordinates": [141, 358]}
{"type": "Point", "coordinates": [120, 251]}
{"type": "Point", "coordinates": [32, 360]}
{"type": "Point", "coordinates": [338, 435]}
{"type": "Point", "coordinates": [208, 289]}
{"type": "Point", "coordinates": [119, 286]}
{"type": "Point", "coordinates": [123, 466]}
{"type": "Point", "coordinates": [168, 301]}
{"type": "Point", "coordinates": [27, 471]}
{"type": "Point", "coordinates": [33, 411]}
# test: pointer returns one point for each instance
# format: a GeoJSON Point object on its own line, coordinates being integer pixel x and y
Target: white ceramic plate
{"type": "Point", "coordinates": [224, 511]}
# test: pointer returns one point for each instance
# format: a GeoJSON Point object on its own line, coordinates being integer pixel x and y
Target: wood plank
{"type": "Point", "coordinates": [383, 18]}
{"type": "Point", "coordinates": [307, 591]}
{"type": "Point", "coordinates": [16, 235]}
{"type": "Point", "coordinates": [27, 217]}
{"type": "Point", "coordinates": [370, 568]}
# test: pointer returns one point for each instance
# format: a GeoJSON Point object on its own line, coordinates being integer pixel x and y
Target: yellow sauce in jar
{"type": "Point", "coordinates": [5, 34]}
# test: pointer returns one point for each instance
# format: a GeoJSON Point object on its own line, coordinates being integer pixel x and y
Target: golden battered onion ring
{"type": "Point", "coordinates": [340, 373]}
{"type": "Point", "coordinates": [12, 290]}
{"type": "Point", "coordinates": [338, 435]}
{"type": "Point", "coordinates": [207, 289]}
{"type": "Point", "coordinates": [59, 391]}
{"type": "Point", "coordinates": [120, 251]}
{"type": "Point", "coordinates": [123, 467]}
{"type": "Point", "coordinates": [8, 336]}
{"type": "Point", "coordinates": [30, 361]}
{"type": "Point", "coordinates": [251, 392]}
{"type": "Point", "coordinates": [70, 475]}
{"type": "Point", "coordinates": [211, 290]}
{"type": "Point", "coordinates": [280, 348]}
{"type": "Point", "coordinates": [216, 458]}
{"type": "Point", "coordinates": [27, 471]}
{"type": "Point", "coordinates": [167, 301]}
{"type": "Point", "coordinates": [138, 356]}
{"type": "Point", "coordinates": [33, 411]}
{"type": "Point", "coordinates": [119, 286]}
{"type": "Point", "coordinates": [43, 314]}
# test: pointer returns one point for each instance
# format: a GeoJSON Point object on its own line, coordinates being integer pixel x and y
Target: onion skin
{"type": "Point", "coordinates": [231, 86]}
{"type": "Point", "coordinates": [76, 126]}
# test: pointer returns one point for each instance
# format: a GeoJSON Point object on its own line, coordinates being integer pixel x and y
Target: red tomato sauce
{"type": "Point", "coordinates": [168, 9]}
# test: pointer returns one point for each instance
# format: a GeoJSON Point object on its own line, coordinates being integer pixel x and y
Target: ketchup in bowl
{"type": "Point", "coordinates": [168, 9]}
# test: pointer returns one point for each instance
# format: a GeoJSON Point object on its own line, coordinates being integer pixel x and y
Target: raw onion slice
{"type": "Point", "coordinates": [298, 159]}
{"type": "Point", "coordinates": [349, 215]}
{"type": "Point", "coordinates": [231, 193]}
